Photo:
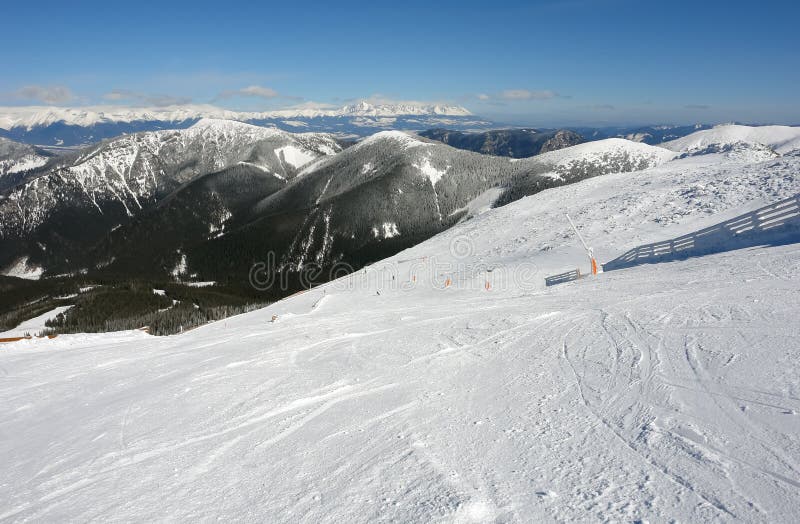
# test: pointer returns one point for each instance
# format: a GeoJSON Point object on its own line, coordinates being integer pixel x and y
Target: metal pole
{"type": "Point", "coordinates": [589, 251]}
{"type": "Point", "coordinates": [587, 248]}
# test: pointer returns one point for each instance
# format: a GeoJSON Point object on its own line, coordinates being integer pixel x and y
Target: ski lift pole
{"type": "Point", "coordinates": [589, 251]}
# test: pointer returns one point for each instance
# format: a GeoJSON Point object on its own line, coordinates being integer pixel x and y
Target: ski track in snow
{"type": "Point", "coordinates": [635, 396]}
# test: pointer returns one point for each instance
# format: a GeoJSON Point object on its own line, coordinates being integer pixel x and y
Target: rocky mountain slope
{"type": "Point", "coordinates": [60, 213]}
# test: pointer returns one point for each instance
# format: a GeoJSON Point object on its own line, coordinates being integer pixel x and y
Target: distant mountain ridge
{"type": "Point", "coordinates": [59, 126]}
{"type": "Point", "coordinates": [653, 135]}
{"type": "Point", "coordinates": [514, 143]}
{"type": "Point", "coordinates": [32, 116]}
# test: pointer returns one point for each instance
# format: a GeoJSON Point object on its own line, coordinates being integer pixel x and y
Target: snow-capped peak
{"type": "Point", "coordinates": [364, 108]}
{"type": "Point", "coordinates": [405, 139]}
{"type": "Point", "coordinates": [221, 124]}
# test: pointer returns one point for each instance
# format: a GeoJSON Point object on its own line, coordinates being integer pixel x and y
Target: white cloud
{"type": "Point", "coordinates": [525, 94]}
{"type": "Point", "coordinates": [517, 95]}
{"type": "Point", "coordinates": [313, 105]}
{"type": "Point", "coordinates": [251, 91]}
{"type": "Point", "coordinates": [115, 95]}
{"type": "Point", "coordinates": [47, 94]}
{"type": "Point", "coordinates": [260, 91]}
{"type": "Point", "coordinates": [118, 95]}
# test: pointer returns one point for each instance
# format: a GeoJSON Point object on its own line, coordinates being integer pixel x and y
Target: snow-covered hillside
{"type": "Point", "coordinates": [616, 153]}
{"type": "Point", "coordinates": [782, 139]}
{"type": "Point", "coordinates": [657, 393]}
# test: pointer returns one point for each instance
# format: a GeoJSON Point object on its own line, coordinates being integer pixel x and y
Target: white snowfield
{"type": "Point", "coordinates": [658, 393]}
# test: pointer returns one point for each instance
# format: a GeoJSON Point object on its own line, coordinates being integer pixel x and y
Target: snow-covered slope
{"type": "Point", "coordinates": [617, 154]}
{"type": "Point", "coordinates": [782, 139]}
{"type": "Point", "coordinates": [659, 393]}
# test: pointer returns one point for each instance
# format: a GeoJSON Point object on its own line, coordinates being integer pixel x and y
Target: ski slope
{"type": "Point", "coordinates": [654, 393]}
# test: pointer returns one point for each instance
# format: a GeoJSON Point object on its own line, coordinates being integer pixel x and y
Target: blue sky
{"type": "Point", "coordinates": [539, 62]}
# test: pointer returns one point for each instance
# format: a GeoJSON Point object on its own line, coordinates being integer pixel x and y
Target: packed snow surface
{"type": "Point", "coordinates": [658, 393]}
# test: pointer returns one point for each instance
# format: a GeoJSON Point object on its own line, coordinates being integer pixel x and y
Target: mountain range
{"type": "Point", "coordinates": [69, 127]}
{"type": "Point", "coordinates": [209, 201]}
{"type": "Point", "coordinates": [55, 128]}
{"type": "Point", "coordinates": [656, 134]}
